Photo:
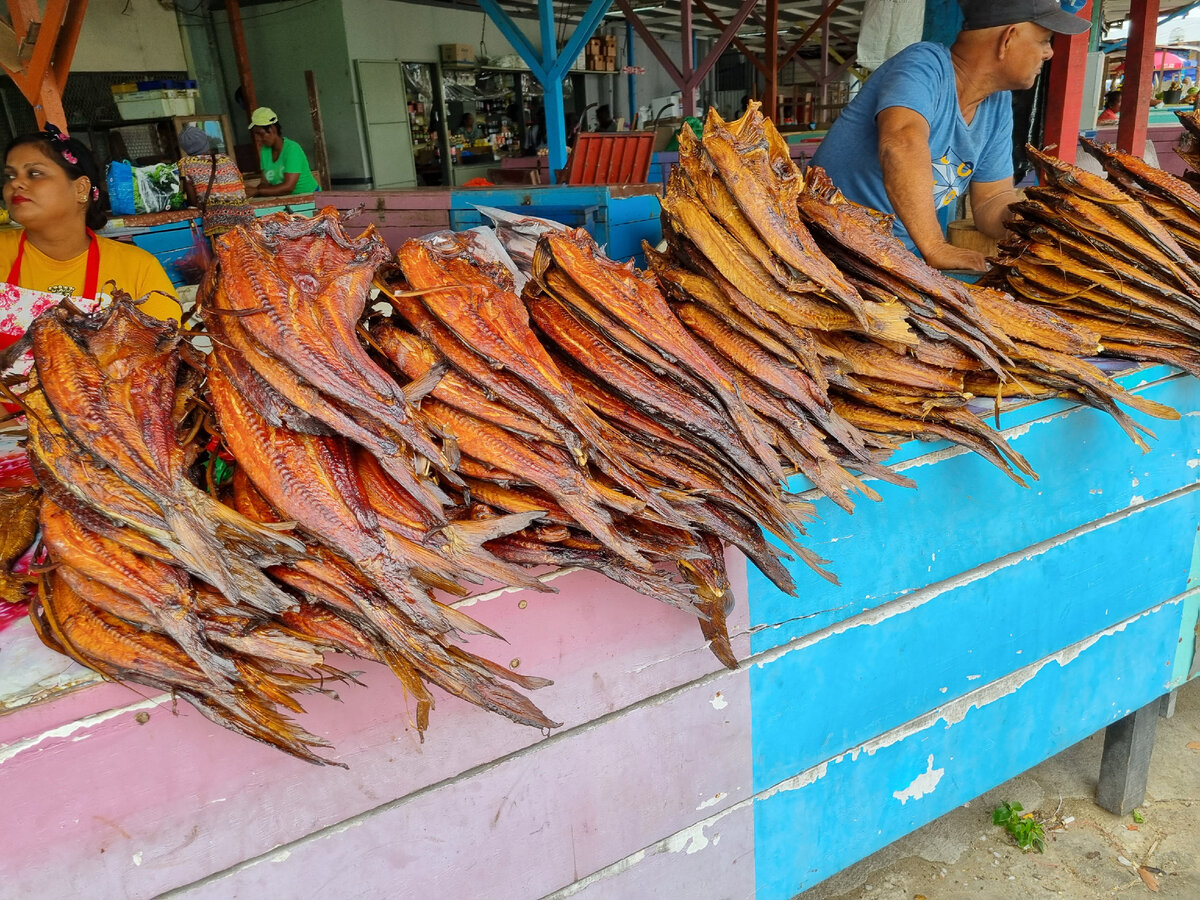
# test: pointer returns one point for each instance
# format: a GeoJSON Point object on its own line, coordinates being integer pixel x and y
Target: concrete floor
{"type": "Point", "coordinates": [1090, 853]}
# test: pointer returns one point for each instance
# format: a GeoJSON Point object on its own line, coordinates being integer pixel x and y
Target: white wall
{"type": "Point", "coordinates": [384, 29]}
{"type": "Point", "coordinates": [138, 36]}
{"type": "Point", "coordinates": [283, 40]}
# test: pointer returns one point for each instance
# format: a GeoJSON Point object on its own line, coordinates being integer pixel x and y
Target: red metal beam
{"type": "Point", "coordinates": [800, 42]}
{"type": "Point", "coordinates": [771, 57]}
{"type": "Point", "coordinates": [233, 11]}
{"type": "Point", "coordinates": [1064, 94]}
{"type": "Point", "coordinates": [685, 46]}
{"type": "Point", "coordinates": [1139, 71]}
{"type": "Point", "coordinates": [43, 74]}
{"type": "Point", "coordinates": [750, 55]}
{"type": "Point", "coordinates": [68, 37]}
{"type": "Point", "coordinates": [710, 59]}
{"type": "Point", "coordinates": [652, 42]}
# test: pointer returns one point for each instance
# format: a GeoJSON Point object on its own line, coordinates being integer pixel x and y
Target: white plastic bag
{"type": "Point", "coordinates": [888, 26]}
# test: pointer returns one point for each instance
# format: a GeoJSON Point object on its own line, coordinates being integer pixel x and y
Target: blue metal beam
{"type": "Point", "coordinates": [513, 35]}
{"type": "Point", "coordinates": [550, 67]}
{"type": "Point", "coordinates": [586, 28]}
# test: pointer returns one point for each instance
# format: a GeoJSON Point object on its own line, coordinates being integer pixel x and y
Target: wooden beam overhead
{"type": "Point", "coordinates": [44, 44]}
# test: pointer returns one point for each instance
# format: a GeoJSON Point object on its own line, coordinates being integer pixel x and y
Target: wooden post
{"type": "Point", "coordinates": [1139, 69]}
{"type": "Point", "coordinates": [686, 40]}
{"type": "Point", "coordinates": [771, 58]}
{"type": "Point", "coordinates": [233, 9]}
{"type": "Point", "coordinates": [1125, 764]}
{"type": "Point", "coordinates": [1064, 97]}
{"type": "Point", "coordinates": [46, 43]}
{"type": "Point", "coordinates": [320, 151]}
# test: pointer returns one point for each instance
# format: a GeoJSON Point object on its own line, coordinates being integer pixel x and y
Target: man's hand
{"type": "Point", "coordinates": [947, 256]}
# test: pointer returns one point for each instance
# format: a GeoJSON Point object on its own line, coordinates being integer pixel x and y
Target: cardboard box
{"type": "Point", "coordinates": [458, 53]}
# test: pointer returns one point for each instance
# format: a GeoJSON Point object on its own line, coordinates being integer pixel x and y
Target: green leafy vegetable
{"type": "Point", "coordinates": [1025, 830]}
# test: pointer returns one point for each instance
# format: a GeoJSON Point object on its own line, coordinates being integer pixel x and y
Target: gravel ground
{"type": "Point", "coordinates": [1090, 853]}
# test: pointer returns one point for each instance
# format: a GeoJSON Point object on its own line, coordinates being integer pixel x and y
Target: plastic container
{"type": "Point", "coordinates": [156, 103]}
{"type": "Point", "coordinates": [127, 87]}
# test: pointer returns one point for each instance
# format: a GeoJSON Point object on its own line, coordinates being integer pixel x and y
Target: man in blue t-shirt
{"type": "Point", "coordinates": [933, 122]}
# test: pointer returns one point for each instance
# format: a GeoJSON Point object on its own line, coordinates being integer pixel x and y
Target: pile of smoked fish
{"type": "Point", "coordinates": [1118, 257]}
{"type": "Point", "coordinates": [487, 414]}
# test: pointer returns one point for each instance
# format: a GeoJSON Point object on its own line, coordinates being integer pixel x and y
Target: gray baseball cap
{"type": "Point", "coordinates": [979, 14]}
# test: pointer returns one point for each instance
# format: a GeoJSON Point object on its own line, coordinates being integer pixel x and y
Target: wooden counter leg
{"type": "Point", "coordinates": [1125, 764]}
{"type": "Point", "coordinates": [1168, 704]}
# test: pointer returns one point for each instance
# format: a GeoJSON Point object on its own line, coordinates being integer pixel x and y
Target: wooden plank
{"type": "Point", "coordinates": [180, 798]}
{"type": "Point", "coordinates": [870, 794]}
{"type": "Point", "coordinates": [1103, 472]}
{"type": "Point", "coordinates": [872, 672]}
{"type": "Point", "coordinates": [320, 150]}
{"type": "Point", "coordinates": [541, 820]}
{"type": "Point", "coordinates": [713, 858]}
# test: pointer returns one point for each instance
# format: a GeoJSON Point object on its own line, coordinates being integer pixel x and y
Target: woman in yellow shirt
{"type": "Point", "coordinates": [51, 189]}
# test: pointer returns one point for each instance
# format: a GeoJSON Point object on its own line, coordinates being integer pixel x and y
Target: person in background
{"type": "Point", "coordinates": [52, 190]}
{"type": "Point", "coordinates": [604, 119]}
{"type": "Point", "coordinates": [574, 125]}
{"type": "Point", "coordinates": [471, 131]}
{"type": "Point", "coordinates": [933, 122]}
{"type": "Point", "coordinates": [1112, 108]}
{"type": "Point", "coordinates": [213, 184]}
{"type": "Point", "coordinates": [285, 168]}
{"type": "Point", "coordinates": [535, 135]}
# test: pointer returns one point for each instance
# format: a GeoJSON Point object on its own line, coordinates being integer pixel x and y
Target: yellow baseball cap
{"type": "Point", "coordinates": [263, 116]}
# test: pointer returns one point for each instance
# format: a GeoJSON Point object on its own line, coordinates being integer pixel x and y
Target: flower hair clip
{"type": "Point", "coordinates": [95, 193]}
{"type": "Point", "coordinates": [61, 141]}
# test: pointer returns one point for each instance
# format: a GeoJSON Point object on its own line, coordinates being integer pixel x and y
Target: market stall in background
{"type": "Point", "coordinates": [773, 542]}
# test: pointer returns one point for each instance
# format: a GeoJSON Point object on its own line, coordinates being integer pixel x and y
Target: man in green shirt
{"type": "Point", "coordinates": [284, 166]}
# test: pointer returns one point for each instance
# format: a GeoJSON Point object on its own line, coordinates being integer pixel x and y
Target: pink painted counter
{"type": "Point", "coordinates": [117, 794]}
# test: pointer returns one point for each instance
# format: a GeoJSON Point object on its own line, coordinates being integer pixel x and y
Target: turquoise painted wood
{"type": "Point", "coordinates": [965, 512]}
{"type": "Point", "coordinates": [871, 794]}
{"type": "Point", "coordinates": [980, 628]}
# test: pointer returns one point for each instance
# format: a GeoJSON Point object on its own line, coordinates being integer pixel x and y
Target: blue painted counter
{"type": "Point", "coordinates": [618, 217]}
{"type": "Point", "coordinates": [980, 628]}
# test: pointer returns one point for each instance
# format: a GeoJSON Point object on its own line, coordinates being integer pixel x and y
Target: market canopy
{"type": "Point", "coordinates": [1164, 61]}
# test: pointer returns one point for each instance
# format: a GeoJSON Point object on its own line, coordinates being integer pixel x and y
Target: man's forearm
{"type": "Point", "coordinates": [993, 215]}
{"type": "Point", "coordinates": [908, 180]}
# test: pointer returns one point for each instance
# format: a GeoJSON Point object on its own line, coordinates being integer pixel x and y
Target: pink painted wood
{"type": "Point", "coordinates": [111, 806]}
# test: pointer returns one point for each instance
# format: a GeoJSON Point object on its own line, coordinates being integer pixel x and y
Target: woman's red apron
{"type": "Point", "coordinates": [18, 308]}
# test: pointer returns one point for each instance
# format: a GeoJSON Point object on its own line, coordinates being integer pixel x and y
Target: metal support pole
{"type": "Point", "coordinates": [686, 46]}
{"type": "Point", "coordinates": [771, 59]}
{"type": "Point", "coordinates": [550, 67]}
{"type": "Point", "coordinates": [631, 79]}
{"type": "Point", "coordinates": [825, 60]}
